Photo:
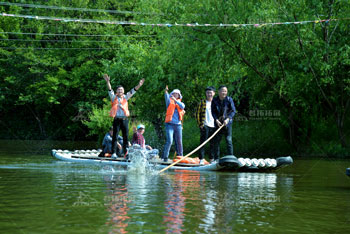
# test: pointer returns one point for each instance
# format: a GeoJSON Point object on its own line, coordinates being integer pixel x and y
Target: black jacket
{"type": "Point", "coordinates": [223, 110]}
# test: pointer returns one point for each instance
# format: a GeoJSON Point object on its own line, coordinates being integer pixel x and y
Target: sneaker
{"type": "Point", "coordinates": [201, 162]}
{"type": "Point", "coordinates": [114, 156]}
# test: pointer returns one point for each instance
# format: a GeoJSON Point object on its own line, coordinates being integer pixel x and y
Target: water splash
{"type": "Point", "coordinates": [139, 161]}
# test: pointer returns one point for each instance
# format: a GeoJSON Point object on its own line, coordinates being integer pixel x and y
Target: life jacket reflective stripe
{"type": "Point", "coordinates": [115, 105]}
{"type": "Point", "coordinates": [171, 109]}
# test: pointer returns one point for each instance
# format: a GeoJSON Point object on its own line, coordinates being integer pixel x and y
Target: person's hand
{"type": "Point", "coordinates": [141, 82]}
{"type": "Point", "coordinates": [218, 123]}
{"type": "Point", "coordinates": [226, 121]}
{"type": "Point", "coordinates": [119, 146]}
{"type": "Point", "coordinates": [106, 77]}
{"type": "Point", "coordinates": [166, 88]}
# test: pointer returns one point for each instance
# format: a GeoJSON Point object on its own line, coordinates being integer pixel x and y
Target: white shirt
{"type": "Point", "coordinates": [209, 120]}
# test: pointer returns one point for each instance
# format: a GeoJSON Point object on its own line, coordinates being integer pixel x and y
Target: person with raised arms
{"type": "Point", "coordinates": [120, 112]}
{"type": "Point", "coordinates": [173, 121]}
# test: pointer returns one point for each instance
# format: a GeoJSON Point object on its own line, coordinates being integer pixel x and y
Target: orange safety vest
{"type": "Point", "coordinates": [171, 109]}
{"type": "Point", "coordinates": [124, 106]}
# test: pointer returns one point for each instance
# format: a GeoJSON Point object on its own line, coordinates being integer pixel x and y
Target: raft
{"type": "Point", "coordinates": [348, 171]}
{"type": "Point", "coordinates": [226, 163]}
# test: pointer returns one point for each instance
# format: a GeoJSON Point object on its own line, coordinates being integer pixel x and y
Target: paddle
{"type": "Point", "coordinates": [193, 151]}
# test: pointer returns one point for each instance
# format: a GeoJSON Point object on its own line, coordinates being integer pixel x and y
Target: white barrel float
{"type": "Point", "coordinates": [255, 162]}
{"type": "Point", "coordinates": [268, 162]}
{"type": "Point", "coordinates": [242, 162]}
{"type": "Point", "coordinates": [248, 162]}
{"type": "Point", "coordinates": [261, 162]}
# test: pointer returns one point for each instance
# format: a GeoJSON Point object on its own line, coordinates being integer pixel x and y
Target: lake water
{"type": "Point", "coordinates": [39, 194]}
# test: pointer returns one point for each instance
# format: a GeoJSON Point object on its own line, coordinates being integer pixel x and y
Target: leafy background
{"type": "Point", "coordinates": [51, 86]}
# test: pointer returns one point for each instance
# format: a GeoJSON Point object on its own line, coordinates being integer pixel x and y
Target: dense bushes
{"type": "Point", "coordinates": [51, 84]}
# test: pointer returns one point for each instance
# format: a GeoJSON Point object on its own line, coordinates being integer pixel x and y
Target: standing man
{"type": "Point", "coordinates": [206, 123]}
{"type": "Point", "coordinates": [120, 113]}
{"type": "Point", "coordinates": [173, 125]}
{"type": "Point", "coordinates": [223, 109]}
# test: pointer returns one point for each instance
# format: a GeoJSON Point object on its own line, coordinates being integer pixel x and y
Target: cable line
{"type": "Point", "coordinates": [256, 25]}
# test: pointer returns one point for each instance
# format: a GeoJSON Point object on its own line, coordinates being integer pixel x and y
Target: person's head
{"type": "Point", "coordinates": [210, 93]}
{"type": "Point", "coordinates": [111, 131]}
{"type": "Point", "coordinates": [119, 91]}
{"type": "Point", "coordinates": [176, 94]}
{"type": "Point", "coordinates": [141, 128]}
{"type": "Point", "coordinates": [222, 92]}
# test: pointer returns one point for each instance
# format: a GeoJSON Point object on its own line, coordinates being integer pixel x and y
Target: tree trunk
{"type": "Point", "coordinates": [41, 126]}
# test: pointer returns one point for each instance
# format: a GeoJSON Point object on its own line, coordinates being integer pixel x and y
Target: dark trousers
{"type": "Point", "coordinates": [227, 132]}
{"type": "Point", "coordinates": [206, 132]}
{"type": "Point", "coordinates": [120, 124]}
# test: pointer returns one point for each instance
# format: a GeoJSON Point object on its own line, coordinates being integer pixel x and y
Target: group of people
{"type": "Point", "coordinates": [212, 113]}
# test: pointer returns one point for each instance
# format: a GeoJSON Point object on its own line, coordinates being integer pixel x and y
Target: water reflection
{"type": "Point", "coordinates": [180, 186]}
{"type": "Point", "coordinates": [210, 202]}
{"type": "Point", "coordinates": [40, 194]}
{"type": "Point", "coordinates": [118, 208]}
{"type": "Point", "coordinates": [234, 201]}
{"type": "Point", "coordinates": [173, 202]}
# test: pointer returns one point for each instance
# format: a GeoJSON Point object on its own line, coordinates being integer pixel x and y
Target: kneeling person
{"type": "Point", "coordinates": [139, 139]}
{"type": "Point", "coordinates": [107, 143]}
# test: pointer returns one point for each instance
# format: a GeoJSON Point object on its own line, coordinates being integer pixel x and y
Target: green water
{"type": "Point", "coordinates": [39, 194]}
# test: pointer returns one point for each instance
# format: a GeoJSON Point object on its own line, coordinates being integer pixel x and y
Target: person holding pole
{"type": "Point", "coordinates": [120, 113]}
{"type": "Point", "coordinates": [206, 123]}
{"type": "Point", "coordinates": [223, 110]}
{"type": "Point", "coordinates": [173, 121]}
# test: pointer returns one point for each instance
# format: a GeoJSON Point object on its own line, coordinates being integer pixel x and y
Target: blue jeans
{"type": "Point", "coordinates": [173, 131]}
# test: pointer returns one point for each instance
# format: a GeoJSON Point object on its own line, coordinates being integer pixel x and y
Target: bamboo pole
{"type": "Point", "coordinates": [193, 151]}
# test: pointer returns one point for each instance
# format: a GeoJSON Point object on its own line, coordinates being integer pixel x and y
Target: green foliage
{"type": "Point", "coordinates": [302, 70]}
{"type": "Point", "coordinates": [99, 120]}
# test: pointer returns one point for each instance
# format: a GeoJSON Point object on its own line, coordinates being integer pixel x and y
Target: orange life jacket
{"type": "Point", "coordinates": [115, 104]}
{"type": "Point", "coordinates": [189, 160]}
{"type": "Point", "coordinates": [171, 109]}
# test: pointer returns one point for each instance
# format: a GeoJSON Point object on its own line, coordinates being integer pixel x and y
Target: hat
{"type": "Point", "coordinates": [176, 91]}
{"type": "Point", "coordinates": [140, 126]}
{"type": "Point", "coordinates": [210, 88]}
